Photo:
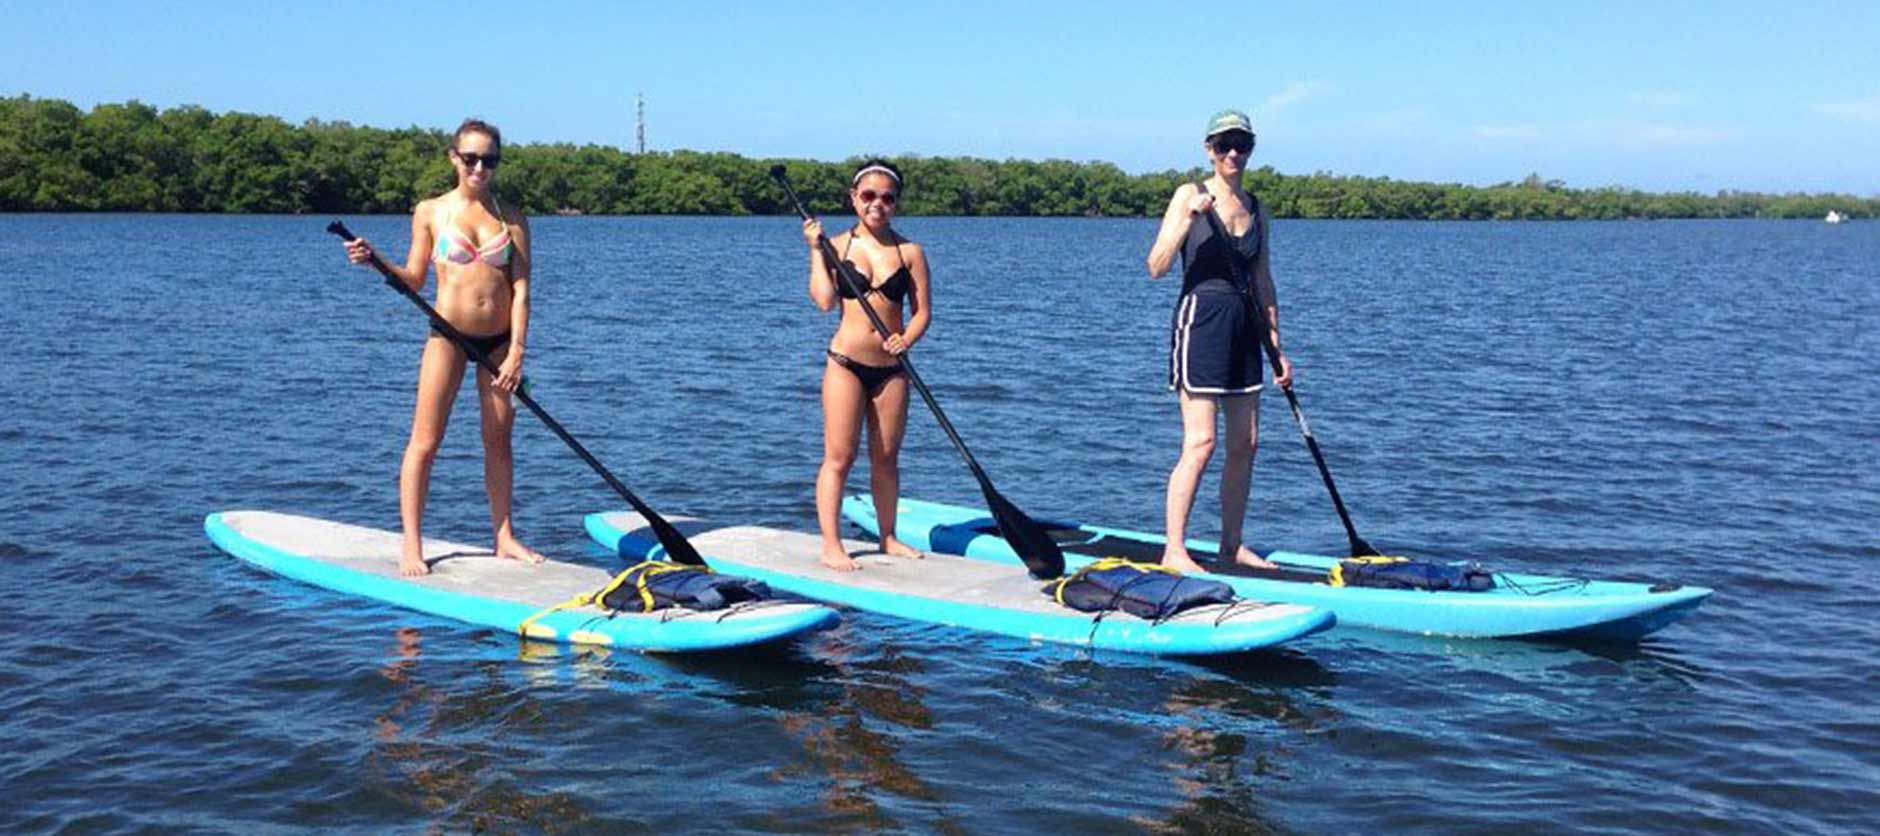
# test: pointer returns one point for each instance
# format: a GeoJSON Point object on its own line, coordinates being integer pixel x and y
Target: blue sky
{"type": "Point", "coordinates": [1655, 95]}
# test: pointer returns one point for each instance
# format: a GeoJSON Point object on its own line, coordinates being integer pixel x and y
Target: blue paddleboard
{"type": "Point", "coordinates": [971, 594]}
{"type": "Point", "coordinates": [1518, 606]}
{"type": "Point", "coordinates": [472, 585]}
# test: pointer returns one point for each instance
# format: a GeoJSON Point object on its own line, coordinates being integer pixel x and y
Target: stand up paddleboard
{"type": "Point", "coordinates": [472, 585]}
{"type": "Point", "coordinates": [1526, 606]}
{"type": "Point", "coordinates": [972, 594]}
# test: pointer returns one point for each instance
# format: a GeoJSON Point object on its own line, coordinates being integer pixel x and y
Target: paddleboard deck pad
{"type": "Point", "coordinates": [960, 592]}
{"type": "Point", "coordinates": [472, 585]}
{"type": "Point", "coordinates": [1524, 606]}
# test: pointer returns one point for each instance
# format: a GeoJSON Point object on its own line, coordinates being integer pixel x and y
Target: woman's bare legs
{"type": "Point", "coordinates": [440, 372]}
{"type": "Point", "coordinates": [1197, 446]}
{"type": "Point", "coordinates": [1241, 414]}
{"type": "Point", "coordinates": [499, 462]}
{"type": "Point", "coordinates": [842, 398]}
{"type": "Point", "coordinates": [887, 425]}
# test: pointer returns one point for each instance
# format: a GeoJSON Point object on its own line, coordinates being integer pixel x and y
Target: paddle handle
{"type": "Point", "coordinates": [677, 547]}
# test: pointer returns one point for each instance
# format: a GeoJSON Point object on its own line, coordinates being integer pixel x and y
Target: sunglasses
{"type": "Point", "coordinates": [1232, 141]}
{"type": "Point", "coordinates": [471, 159]}
{"type": "Point", "coordinates": [868, 196]}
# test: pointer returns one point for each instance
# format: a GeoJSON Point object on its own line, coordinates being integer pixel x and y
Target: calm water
{"type": "Point", "coordinates": [1686, 400]}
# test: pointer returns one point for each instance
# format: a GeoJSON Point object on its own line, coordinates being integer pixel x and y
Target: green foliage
{"type": "Point", "coordinates": [130, 157]}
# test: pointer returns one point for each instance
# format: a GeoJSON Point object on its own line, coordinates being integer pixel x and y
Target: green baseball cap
{"type": "Point", "coordinates": [1228, 120]}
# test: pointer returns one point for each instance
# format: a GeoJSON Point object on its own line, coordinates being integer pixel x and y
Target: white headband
{"type": "Point", "coordinates": [876, 169]}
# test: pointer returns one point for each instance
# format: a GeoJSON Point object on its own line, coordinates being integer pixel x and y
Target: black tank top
{"type": "Point", "coordinates": [1214, 263]}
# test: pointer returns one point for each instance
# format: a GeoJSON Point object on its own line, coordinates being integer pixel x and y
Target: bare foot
{"type": "Point", "coordinates": [839, 560]}
{"type": "Point", "coordinates": [1176, 557]}
{"type": "Point", "coordinates": [411, 561]}
{"type": "Point", "coordinates": [1245, 557]}
{"type": "Point", "coordinates": [896, 548]}
{"type": "Point", "coordinates": [513, 549]}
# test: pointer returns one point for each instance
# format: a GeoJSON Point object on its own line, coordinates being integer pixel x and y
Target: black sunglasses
{"type": "Point", "coordinates": [868, 196]}
{"type": "Point", "coordinates": [1232, 141]}
{"type": "Point", "coordinates": [472, 159]}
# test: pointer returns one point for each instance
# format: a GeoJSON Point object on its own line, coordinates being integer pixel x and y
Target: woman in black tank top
{"type": "Point", "coordinates": [862, 378]}
{"type": "Point", "coordinates": [1215, 365]}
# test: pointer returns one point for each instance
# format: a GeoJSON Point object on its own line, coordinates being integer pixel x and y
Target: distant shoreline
{"type": "Point", "coordinates": [132, 157]}
{"type": "Point", "coordinates": [907, 215]}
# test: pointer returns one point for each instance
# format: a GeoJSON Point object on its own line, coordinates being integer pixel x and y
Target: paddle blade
{"type": "Point", "coordinates": [1033, 544]}
{"type": "Point", "coordinates": [678, 549]}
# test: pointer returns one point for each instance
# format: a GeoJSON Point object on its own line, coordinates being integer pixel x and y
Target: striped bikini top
{"type": "Point", "coordinates": [457, 248]}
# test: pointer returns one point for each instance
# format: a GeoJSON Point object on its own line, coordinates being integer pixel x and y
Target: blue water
{"type": "Point", "coordinates": [1694, 401]}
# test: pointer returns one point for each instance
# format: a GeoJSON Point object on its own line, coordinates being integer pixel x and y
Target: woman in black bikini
{"type": "Point", "coordinates": [862, 377]}
{"type": "Point", "coordinates": [481, 251]}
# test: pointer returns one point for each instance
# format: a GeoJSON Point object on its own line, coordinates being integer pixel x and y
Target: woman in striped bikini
{"type": "Point", "coordinates": [481, 250]}
{"type": "Point", "coordinates": [1214, 347]}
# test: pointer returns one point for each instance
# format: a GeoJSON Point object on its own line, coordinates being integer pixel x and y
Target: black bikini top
{"type": "Point", "coordinates": [894, 288]}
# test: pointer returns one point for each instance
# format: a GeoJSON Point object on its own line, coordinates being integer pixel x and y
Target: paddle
{"type": "Point", "coordinates": [1270, 347]}
{"type": "Point", "coordinates": [677, 547]}
{"type": "Point", "coordinates": [1034, 546]}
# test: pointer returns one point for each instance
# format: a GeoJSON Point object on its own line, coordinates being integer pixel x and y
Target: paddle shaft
{"type": "Point", "coordinates": [1040, 554]}
{"type": "Point", "coordinates": [677, 547]}
{"type": "Point", "coordinates": [1269, 345]}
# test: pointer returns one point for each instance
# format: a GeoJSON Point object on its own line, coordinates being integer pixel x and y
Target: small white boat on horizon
{"type": "Point", "coordinates": [1835, 217]}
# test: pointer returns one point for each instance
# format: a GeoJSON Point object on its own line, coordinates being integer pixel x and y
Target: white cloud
{"type": "Point", "coordinates": [1658, 99]}
{"type": "Point", "coordinates": [1609, 134]}
{"type": "Point", "coordinates": [1293, 93]}
{"type": "Point", "coordinates": [1506, 132]}
{"type": "Point", "coordinates": [1657, 136]}
{"type": "Point", "coordinates": [1855, 111]}
{"type": "Point", "coordinates": [1405, 121]}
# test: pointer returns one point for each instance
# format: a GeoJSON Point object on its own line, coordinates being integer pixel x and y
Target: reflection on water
{"type": "Point", "coordinates": [1224, 733]}
{"type": "Point", "coordinates": [775, 676]}
{"type": "Point", "coordinates": [851, 741]}
{"type": "Point", "coordinates": [1653, 659]}
{"type": "Point", "coordinates": [459, 785]}
{"type": "Point", "coordinates": [1225, 752]}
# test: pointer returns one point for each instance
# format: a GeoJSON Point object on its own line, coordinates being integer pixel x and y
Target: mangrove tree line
{"type": "Point", "coordinates": [132, 157]}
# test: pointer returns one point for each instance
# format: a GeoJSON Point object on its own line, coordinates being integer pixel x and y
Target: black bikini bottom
{"type": "Point", "coordinates": [487, 345]}
{"type": "Point", "coordinates": [872, 377]}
